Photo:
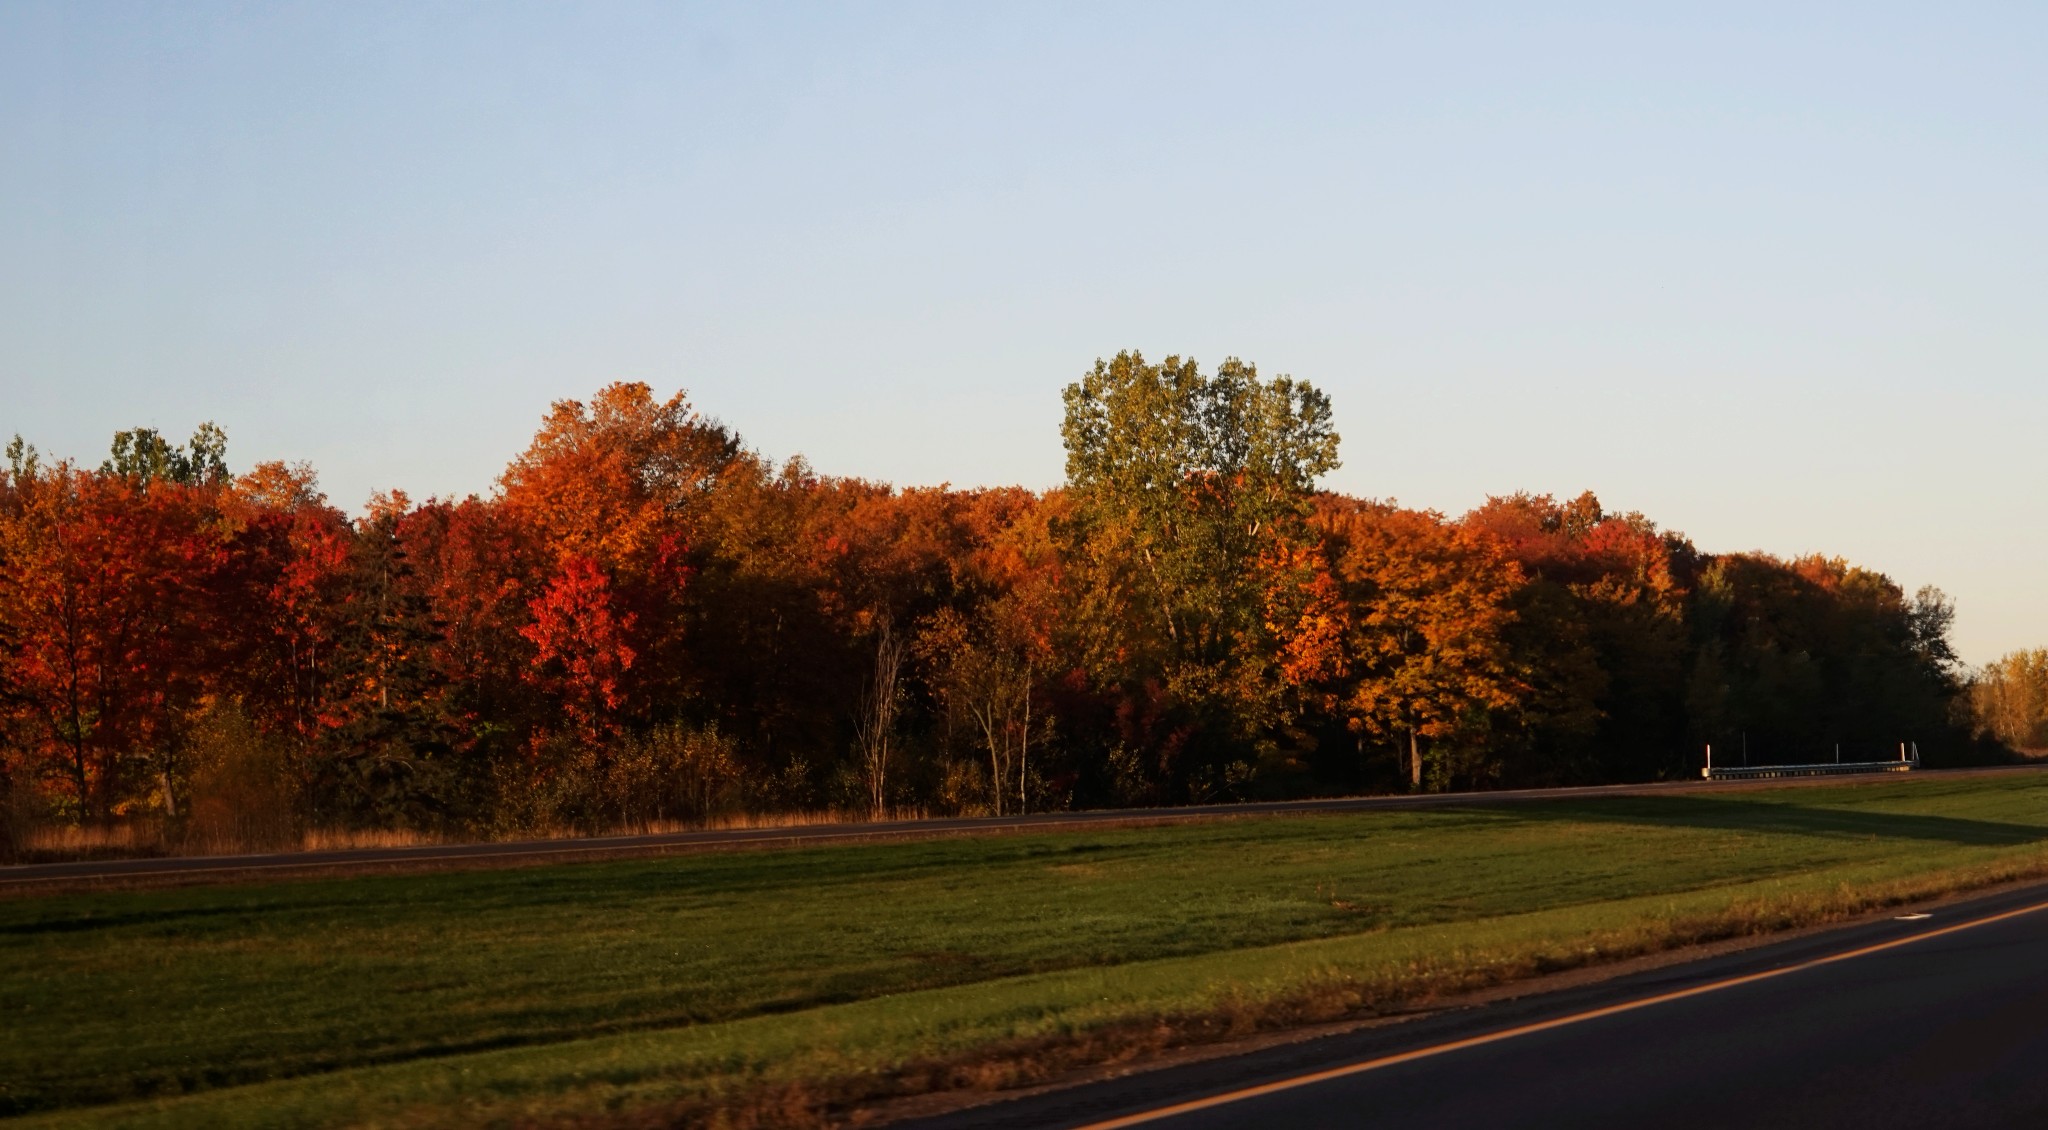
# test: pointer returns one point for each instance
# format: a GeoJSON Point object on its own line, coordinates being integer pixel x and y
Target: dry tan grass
{"type": "Point", "coordinates": [46, 842]}
{"type": "Point", "coordinates": [342, 839]}
{"type": "Point", "coordinates": [748, 820]}
{"type": "Point", "coordinates": [94, 840]}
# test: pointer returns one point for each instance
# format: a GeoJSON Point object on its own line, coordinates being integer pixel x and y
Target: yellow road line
{"type": "Point", "coordinates": [1364, 1066]}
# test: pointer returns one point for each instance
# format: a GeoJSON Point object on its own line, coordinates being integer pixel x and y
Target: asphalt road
{"type": "Point", "coordinates": [1939, 1022]}
{"type": "Point", "coordinates": [31, 876]}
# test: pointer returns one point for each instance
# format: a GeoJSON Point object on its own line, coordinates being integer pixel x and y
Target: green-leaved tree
{"type": "Point", "coordinates": [1188, 490]}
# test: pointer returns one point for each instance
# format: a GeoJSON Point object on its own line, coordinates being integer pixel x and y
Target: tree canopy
{"type": "Point", "coordinates": [648, 620]}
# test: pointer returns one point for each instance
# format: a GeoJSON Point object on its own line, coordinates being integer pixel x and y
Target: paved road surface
{"type": "Point", "coordinates": [1940, 1022]}
{"type": "Point", "coordinates": [47, 874]}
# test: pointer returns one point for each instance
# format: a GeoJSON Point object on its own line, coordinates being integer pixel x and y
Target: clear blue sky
{"type": "Point", "coordinates": [1777, 278]}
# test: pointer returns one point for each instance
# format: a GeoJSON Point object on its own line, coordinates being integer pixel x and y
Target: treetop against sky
{"type": "Point", "coordinates": [648, 622]}
{"type": "Point", "coordinates": [1773, 278]}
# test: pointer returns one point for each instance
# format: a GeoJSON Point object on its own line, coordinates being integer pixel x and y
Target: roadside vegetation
{"type": "Point", "coordinates": [2009, 700]}
{"type": "Point", "coordinates": [782, 986]}
{"type": "Point", "coordinates": [648, 624]}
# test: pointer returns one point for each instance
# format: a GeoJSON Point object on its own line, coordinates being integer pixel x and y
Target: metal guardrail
{"type": "Point", "coordinates": [1744, 772]}
{"type": "Point", "coordinates": [1907, 761]}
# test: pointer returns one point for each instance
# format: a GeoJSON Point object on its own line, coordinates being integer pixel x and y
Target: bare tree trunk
{"type": "Point", "coordinates": [1024, 747]}
{"type": "Point", "coordinates": [987, 717]}
{"type": "Point", "coordinates": [1414, 763]}
{"type": "Point", "coordinates": [875, 725]}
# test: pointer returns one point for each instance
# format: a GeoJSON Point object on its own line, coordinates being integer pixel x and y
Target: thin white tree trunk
{"type": "Point", "coordinates": [1024, 748]}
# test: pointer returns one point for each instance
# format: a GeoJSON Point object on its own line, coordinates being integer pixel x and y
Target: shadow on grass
{"type": "Point", "coordinates": [182, 919]}
{"type": "Point", "coordinates": [1730, 814]}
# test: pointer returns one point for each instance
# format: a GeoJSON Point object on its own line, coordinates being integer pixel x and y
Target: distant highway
{"type": "Point", "coordinates": [1939, 1021]}
{"type": "Point", "coordinates": [184, 868]}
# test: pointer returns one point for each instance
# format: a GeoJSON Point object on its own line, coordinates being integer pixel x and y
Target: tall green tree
{"type": "Point", "coordinates": [1182, 486]}
{"type": "Point", "coordinates": [143, 456]}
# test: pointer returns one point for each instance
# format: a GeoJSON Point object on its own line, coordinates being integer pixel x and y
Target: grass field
{"type": "Point", "coordinates": [762, 986]}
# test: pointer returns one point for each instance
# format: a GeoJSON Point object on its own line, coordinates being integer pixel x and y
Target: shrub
{"type": "Point", "coordinates": [242, 796]}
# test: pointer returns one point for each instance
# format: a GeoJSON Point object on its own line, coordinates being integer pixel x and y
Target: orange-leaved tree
{"type": "Point", "coordinates": [606, 480]}
{"type": "Point", "coordinates": [1408, 633]}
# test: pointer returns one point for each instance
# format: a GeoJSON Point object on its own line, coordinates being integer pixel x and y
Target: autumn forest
{"type": "Point", "coordinates": [647, 623]}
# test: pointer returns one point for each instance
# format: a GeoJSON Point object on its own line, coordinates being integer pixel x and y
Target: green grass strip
{"type": "Point", "coordinates": [738, 983]}
{"type": "Point", "coordinates": [693, 1070]}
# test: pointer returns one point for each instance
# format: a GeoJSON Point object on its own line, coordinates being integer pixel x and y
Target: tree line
{"type": "Point", "coordinates": [646, 621]}
{"type": "Point", "coordinates": [2009, 700]}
